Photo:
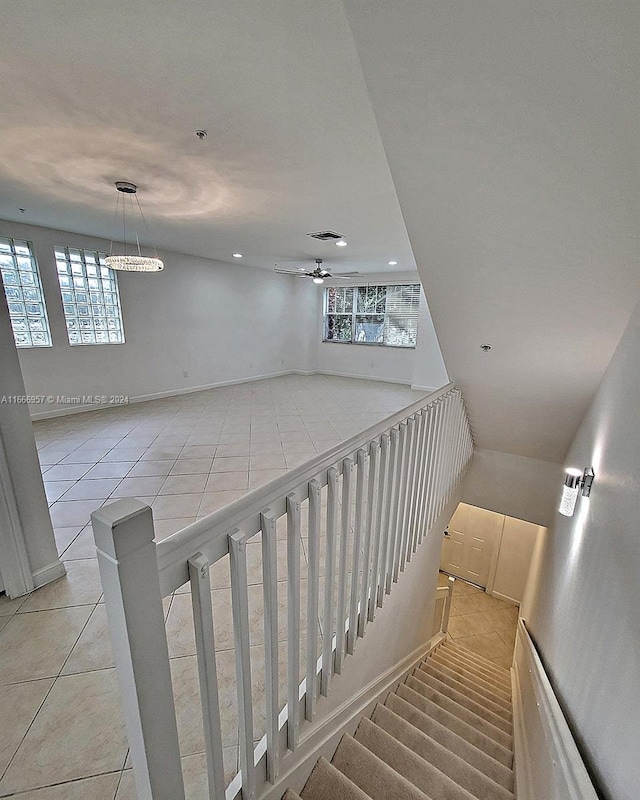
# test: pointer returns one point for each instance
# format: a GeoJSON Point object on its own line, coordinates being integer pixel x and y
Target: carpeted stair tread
{"type": "Point", "coordinates": [455, 669]}
{"type": "Point", "coordinates": [377, 779]}
{"type": "Point", "coordinates": [422, 774]}
{"type": "Point", "coordinates": [482, 709]}
{"type": "Point", "coordinates": [473, 690]}
{"type": "Point", "coordinates": [447, 762]}
{"type": "Point", "coordinates": [460, 711]}
{"type": "Point", "coordinates": [328, 783]}
{"type": "Point", "coordinates": [483, 662]}
{"type": "Point", "coordinates": [427, 712]}
{"type": "Point", "coordinates": [461, 662]}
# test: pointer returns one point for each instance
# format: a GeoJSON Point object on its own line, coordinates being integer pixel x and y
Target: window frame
{"type": "Point", "coordinates": [98, 261]}
{"type": "Point", "coordinates": [355, 313]}
{"type": "Point", "coordinates": [37, 286]}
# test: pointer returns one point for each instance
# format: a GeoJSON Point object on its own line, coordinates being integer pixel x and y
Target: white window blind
{"type": "Point", "coordinates": [378, 315]}
{"type": "Point", "coordinates": [23, 291]}
{"type": "Point", "coordinates": [90, 297]}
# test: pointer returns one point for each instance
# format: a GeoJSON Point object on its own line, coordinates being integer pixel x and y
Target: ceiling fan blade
{"type": "Point", "coordinates": [289, 272]}
{"type": "Point", "coordinates": [339, 277]}
{"type": "Point", "coordinates": [346, 274]}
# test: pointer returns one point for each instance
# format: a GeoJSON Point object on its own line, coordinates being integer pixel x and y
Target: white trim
{"type": "Point", "coordinates": [322, 740]}
{"type": "Point", "coordinates": [504, 597]}
{"type": "Point", "coordinates": [547, 760]}
{"type": "Point", "coordinates": [417, 388]}
{"type": "Point", "coordinates": [49, 573]}
{"type": "Point", "coordinates": [143, 398]}
{"type": "Point", "coordinates": [14, 560]}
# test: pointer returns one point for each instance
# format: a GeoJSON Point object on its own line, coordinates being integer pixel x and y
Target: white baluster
{"type": "Point", "coordinates": [377, 570]}
{"type": "Point", "coordinates": [240, 611]}
{"type": "Point", "coordinates": [402, 488]}
{"type": "Point", "coordinates": [374, 474]}
{"type": "Point", "coordinates": [313, 558]}
{"type": "Point", "coordinates": [293, 619]}
{"type": "Point", "coordinates": [329, 579]}
{"type": "Point", "coordinates": [389, 520]}
{"type": "Point", "coordinates": [345, 535]}
{"type": "Point", "coordinates": [268, 524]}
{"type": "Point", "coordinates": [358, 525]}
{"type": "Point", "coordinates": [207, 672]}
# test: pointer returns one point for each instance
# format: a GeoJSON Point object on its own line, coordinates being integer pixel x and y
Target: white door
{"type": "Point", "coordinates": [469, 542]}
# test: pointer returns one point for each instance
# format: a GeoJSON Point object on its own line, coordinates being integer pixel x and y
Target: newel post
{"type": "Point", "coordinates": [447, 604]}
{"type": "Point", "coordinates": [123, 533]}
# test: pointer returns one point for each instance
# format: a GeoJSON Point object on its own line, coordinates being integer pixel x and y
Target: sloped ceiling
{"type": "Point", "coordinates": [493, 144]}
{"type": "Point", "coordinates": [511, 132]}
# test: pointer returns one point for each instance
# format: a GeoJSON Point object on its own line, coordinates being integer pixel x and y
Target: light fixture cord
{"type": "Point", "coordinates": [144, 219]}
{"type": "Point", "coordinates": [115, 219]}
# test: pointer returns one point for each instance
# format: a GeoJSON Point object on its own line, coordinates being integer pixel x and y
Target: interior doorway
{"type": "Point", "coordinates": [469, 543]}
{"type": "Point", "coordinates": [490, 550]}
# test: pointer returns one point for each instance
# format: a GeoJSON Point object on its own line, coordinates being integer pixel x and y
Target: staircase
{"type": "Point", "coordinates": [444, 734]}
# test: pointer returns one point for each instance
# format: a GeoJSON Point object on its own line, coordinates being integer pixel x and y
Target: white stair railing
{"type": "Point", "coordinates": [370, 501]}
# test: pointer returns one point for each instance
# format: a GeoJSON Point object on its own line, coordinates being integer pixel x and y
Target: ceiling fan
{"type": "Point", "coordinates": [318, 274]}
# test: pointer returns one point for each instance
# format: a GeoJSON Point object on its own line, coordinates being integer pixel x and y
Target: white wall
{"type": "Point", "coordinates": [514, 558]}
{"type": "Point", "coordinates": [218, 322]}
{"type": "Point", "coordinates": [584, 610]}
{"type": "Point", "coordinates": [421, 367]}
{"type": "Point", "coordinates": [22, 459]}
{"type": "Point", "coordinates": [517, 486]}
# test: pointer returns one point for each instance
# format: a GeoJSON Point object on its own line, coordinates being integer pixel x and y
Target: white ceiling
{"type": "Point", "coordinates": [511, 132]}
{"type": "Point", "coordinates": [507, 129]}
{"type": "Point", "coordinates": [100, 91]}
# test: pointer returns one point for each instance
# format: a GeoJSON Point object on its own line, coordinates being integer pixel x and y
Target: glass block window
{"type": "Point", "coordinates": [23, 291]}
{"type": "Point", "coordinates": [90, 297]}
{"type": "Point", "coordinates": [381, 315]}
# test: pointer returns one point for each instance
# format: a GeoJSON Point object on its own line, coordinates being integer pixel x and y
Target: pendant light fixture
{"type": "Point", "coordinates": [136, 262]}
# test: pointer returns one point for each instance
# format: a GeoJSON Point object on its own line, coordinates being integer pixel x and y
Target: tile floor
{"type": "Point", "coordinates": [482, 623]}
{"type": "Point", "coordinates": [62, 732]}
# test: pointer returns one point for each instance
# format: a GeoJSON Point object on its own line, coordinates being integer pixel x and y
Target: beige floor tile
{"type": "Point", "coordinates": [19, 704]}
{"type": "Point", "coordinates": [230, 464]}
{"type": "Point", "coordinates": [73, 512]}
{"type": "Point", "coordinates": [192, 466]}
{"type": "Point", "coordinates": [78, 732]}
{"type": "Point", "coordinates": [262, 476]}
{"type": "Point", "coordinates": [194, 771]}
{"type": "Point", "coordinates": [82, 547]}
{"type": "Point", "coordinates": [174, 506]}
{"type": "Point", "coordinates": [227, 481]}
{"type": "Point", "coordinates": [139, 487]}
{"type": "Point", "coordinates": [80, 586]}
{"type": "Point", "coordinates": [212, 501]}
{"type": "Point", "coordinates": [150, 469]}
{"type": "Point", "coordinates": [101, 787]}
{"type": "Point", "coordinates": [92, 489]}
{"type": "Point", "coordinates": [190, 452]}
{"type": "Point", "coordinates": [36, 645]}
{"type": "Point", "coordinates": [165, 527]}
{"type": "Point", "coordinates": [183, 484]}
{"type": "Point", "coordinates": [93, 649]}
{"type": "Point", "coordinates": [9, 606]}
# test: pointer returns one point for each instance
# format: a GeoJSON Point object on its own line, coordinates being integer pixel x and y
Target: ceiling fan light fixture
{"type": "Point", "coordinates": [318, 280]}
{"type": "Point", "coordinates": [341, 243]}
{"type": "Point", "coordinates": [131, 262]}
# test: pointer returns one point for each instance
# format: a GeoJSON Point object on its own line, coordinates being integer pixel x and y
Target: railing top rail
{"type": "Point", "coordinates": [210, 532]}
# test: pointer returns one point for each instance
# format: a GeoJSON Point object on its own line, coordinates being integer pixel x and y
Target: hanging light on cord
{"type": "Point", "coordinates": [138, 262]}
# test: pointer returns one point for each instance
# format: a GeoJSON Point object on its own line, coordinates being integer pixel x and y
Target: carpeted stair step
{"type": "Point", "coordinates": [456, 669]}
{"type": "Point", "coordinates": [500, 678]}
{"type": "Point", "coordinates": [484, 709]}
{"type": "Point", "coordinates": [435, 721]}
{"type": "Point", "coordinates": [377, 779]}
{"type": "Point", "coordinates": [422, 774]}
{"type": "Point", "coordinates": [472, 689]}
{"type": "Point", "coordinates": [445, 760]}
{"type": "Point", "coordinates": [460, 711]}
{"type": "Point", "coordinates": [328, 783]}
{"type": "Point", "coordinates": [480, 661]}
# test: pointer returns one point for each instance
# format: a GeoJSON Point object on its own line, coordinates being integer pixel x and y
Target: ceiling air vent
{"type": "Point", "coordinates": [326, 236]}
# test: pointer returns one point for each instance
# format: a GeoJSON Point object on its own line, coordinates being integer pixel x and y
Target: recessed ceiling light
{"type": "Point", "coordinates": [392, 263]}
{"type": "Point", "coordinates": [341, 243]}
{"type": "Point", "coordinates": [237, 255]}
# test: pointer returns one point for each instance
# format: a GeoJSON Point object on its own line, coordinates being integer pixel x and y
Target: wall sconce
{"type": "Point", "coordinates": [574, 482]}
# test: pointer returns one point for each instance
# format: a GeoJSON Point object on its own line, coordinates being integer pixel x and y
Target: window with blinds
{"type": "Point", "coordinates": [23, 291]}
{"type": "Point", "coordinates": [90, 297]}
{"type": "Point", "coordinates": [379, 315]}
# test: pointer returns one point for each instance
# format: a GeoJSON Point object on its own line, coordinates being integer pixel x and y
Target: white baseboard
{"type": "Point", "coordinates": [361, 377]}
{"type": "Point", "coordinates": [323, 739]}
{"type": "Point", "coordinates": [505, 597]}
{"type": "Point", "coordinates": [49, 573]}
{"type": "Point", "coordinates": [416, 387]}
{"type": "Point", "coordinates": [143, 398]}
